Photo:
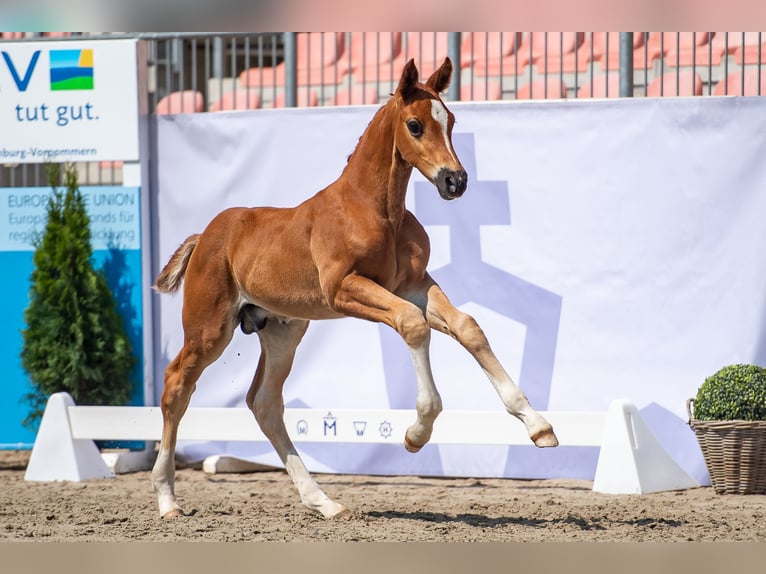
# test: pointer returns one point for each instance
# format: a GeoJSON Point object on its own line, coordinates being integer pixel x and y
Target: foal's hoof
{"type": "Point", "coordinates": [410, 446]}
{"type": "Point", "coordinates": [545, 438]}
{"type": "Point", "coordinates": [175, 513]}
{"type": "Point", "coordinates": [343, 514]}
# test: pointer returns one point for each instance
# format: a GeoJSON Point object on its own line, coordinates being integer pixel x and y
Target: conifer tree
{"type": "Point", "coordinates": [75, 338]}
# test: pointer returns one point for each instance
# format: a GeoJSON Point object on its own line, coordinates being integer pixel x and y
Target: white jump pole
{"type": "Point", "coordinates": [631, 460]}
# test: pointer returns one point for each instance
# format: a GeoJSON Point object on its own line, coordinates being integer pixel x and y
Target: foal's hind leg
{"type": "Point", "coordinates": [204, 343]}
{"type": "Point", "coordinates": [279, 339]}
{"type": "Point", "coordinates": [442, 315]}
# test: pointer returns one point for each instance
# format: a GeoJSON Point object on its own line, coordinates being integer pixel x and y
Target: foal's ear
{"type": "Point", "coordinates": [409, 79]}
{"type": "Point", "coordinates": [440, 79]}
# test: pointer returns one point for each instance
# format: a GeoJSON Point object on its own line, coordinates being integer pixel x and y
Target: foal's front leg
{"type": "Point", "coordinates": [445, 317]}
{"type": "Point", "coordinates": [363, 298]}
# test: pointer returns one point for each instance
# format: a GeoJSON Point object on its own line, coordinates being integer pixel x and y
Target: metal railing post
{"type": "Point", "coordinates": [626, 64]}
{"type": "Point", "coordinates": [453, 51]}
{"type": "Point", "coordinates": [218, 57]}
{"type": "Point", "coordinates": [291, 70]}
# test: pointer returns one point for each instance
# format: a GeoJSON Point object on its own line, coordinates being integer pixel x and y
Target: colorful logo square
{"type": "Point", "coordinates": [71, 69]}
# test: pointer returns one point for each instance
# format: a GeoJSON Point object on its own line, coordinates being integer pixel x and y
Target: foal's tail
{"type": "Point", "coordinates": [170, 278]}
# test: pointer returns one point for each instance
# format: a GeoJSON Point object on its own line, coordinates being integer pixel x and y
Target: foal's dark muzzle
{"type": "Point", "coordinates": [451, 184]}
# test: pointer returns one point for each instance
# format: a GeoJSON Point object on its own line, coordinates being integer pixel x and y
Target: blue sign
{"type": "Point", "coordinates": [116, 239]}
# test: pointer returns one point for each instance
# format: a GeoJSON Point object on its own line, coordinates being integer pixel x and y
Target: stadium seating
{"type": "Point", "coordinates": [686, 48]}
{"type": "Point", "coordinates": [355, 95]}
{"type": "Point", "coordinates": [480, 90]}
{"type": "Point", "coordinates": [239, 99]}
{"type": "Point", "coordinates": [678, 83]}
{"type": "Point", "coordinates": [723, 44]}
{"type": "Point", "coordinates": [181, 102]}
{"type": "Point", "coordinates": [362, 67]}
{"type": "Point", "coordinates": [371, 55]}
{"type": "Point", "coordinates": [661, 44]}
{"type": "Point", "coordinates": [732, 84]}
{"type": "Point", "coordinates": [552, 51]}
{"type": "Point", "coordinates": [318, 60]}
{"type": "Point", "coordinates": [557, 52]}
{"type": "Point", "coordinates": [305, 99]}
{"type": "Point", "coordinates": [539, 47]}
{"type": "Point", "coordinates": [486, 51]}
{"type": "Point", "coordinates": [428, 49]}
{"type": "Point", "coordinates": [600, 86]}
{"type": "Point", "coordinates": [606, 49]}
{"type": "Point", "coordinates": [550, 89]}
{"type": "Point", "coordinates": [754, 49]}
{"type": "Point", "coordinates": [110, 165]}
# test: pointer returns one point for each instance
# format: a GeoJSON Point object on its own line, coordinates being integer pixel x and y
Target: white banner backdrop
{"type": "Point", "coordinates": [609, 249]}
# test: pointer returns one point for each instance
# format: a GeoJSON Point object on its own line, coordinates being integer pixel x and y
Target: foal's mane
{"type": "Point", "coordinates": [379, 113]}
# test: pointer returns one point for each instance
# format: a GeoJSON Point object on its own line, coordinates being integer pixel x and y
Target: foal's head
{"type": "Point", "coordinates": [423, 129]}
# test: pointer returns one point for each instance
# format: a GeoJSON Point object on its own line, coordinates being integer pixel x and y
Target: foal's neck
{"type": "Point", "coordinates": [376, 172]}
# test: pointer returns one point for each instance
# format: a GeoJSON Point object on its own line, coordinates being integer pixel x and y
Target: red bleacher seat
{"type": "Point", "coordinates": [678, 83]}
{"type": "Point", "coordinates": [550, 88]}
{"type": "Point", "coordinates": [663, 44]}
{"type": "Point", "coordinates": [106, 164]}
{"type": "Point", "coordinates": [732, 84]}
{"type": "Point", "coordinates": [485, 51]}
{"type": "Point", "coordinates": [560, 52]}
{"type": "Point", "coordinates": [644, 56]}
{"type": "Point", "coordinates": [723, 44]}
{"type": "Point", "coordinates": [687, 48]}
{"type": "Point", "coordinates": [556, 48]}
{"type": "Point", "coordinates": [553, 51]}
{"type": "Point", "coordinates": [371, 56]}
{"type": "Point", "coordinates": [480, 90]}
{"type": "Point", "coordinates": [606, 85]}
{"type": "Point", "coordinates": [305, 99]}
{"type": "Point", "coordinates": [181, 102]}
{"type": "Point", "coordinates": [318, 61]}
{"type": "Point", "coordinates": [427, 48]}
{"type": "Point", "coordinates": [355, 95]}
{"type": "Point", "coordinates": [606, 50]}
{"type": "Point", "coordinates": [754, 50]}
{"type": "Point", "coordinates": [239, 99]}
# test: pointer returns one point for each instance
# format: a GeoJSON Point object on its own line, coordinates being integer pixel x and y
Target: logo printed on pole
{"type": "Point", "coordinates": [360, 427]}
{"type": "Point", "coordinates": [385, 429]}
{"type": "Point", "coordinates": [330, 424]}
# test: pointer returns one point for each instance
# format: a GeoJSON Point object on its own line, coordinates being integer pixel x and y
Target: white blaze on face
{"type": "Point", "coordinates": [439, 113]}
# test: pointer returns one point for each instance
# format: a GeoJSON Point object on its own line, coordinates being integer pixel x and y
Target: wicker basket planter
{"type": "Point", "coordinates": [734, 451]}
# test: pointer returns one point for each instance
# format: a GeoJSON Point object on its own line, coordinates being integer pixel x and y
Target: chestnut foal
{"type": "Point", "coordinates": [353, 249]}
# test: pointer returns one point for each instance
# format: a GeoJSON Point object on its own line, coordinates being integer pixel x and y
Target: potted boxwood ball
{"type": "Point", "coordinates": [728, 416]}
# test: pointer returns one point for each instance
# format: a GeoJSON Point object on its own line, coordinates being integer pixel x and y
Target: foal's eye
{"type": "Point", "coordinates": [415, 127]}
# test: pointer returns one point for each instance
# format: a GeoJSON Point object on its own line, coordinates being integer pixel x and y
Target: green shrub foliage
{"type": "Point", "coordinates": [736, 392]}
{"type": "Point", "coordinates": [75, 338]}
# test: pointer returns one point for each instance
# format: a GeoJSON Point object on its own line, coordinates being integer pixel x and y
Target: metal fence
{"type": "Point", "coordinates": [330, 68]}
{"type": "Point", "coordinates": [199, 72]}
